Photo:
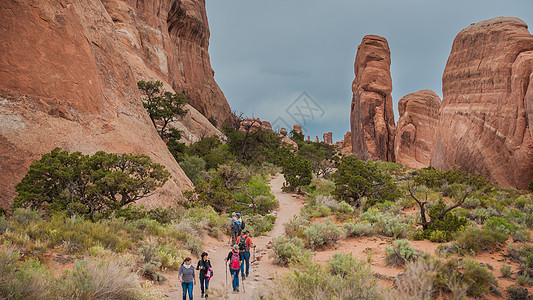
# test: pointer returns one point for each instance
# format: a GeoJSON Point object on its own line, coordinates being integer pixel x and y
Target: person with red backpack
{"type": "Point", "coordinates": [235, 258]}
{"type": "Point", "coordinates": [245, 243]}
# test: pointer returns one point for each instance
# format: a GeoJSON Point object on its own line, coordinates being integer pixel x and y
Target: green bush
{"type": "Point", "coordinates": [355, 179]}
{"type": "Point", "coordinates": [88, 185]}
{"type": "Point", "coordinates": [515, 292]}
{"type": "Point", "coordinates": [358, 229]}
{"type": "Point", "coordinates": [388, 224]}
{"type": "Point", "coordinates": [297, 172]}
{"type": "Point", "coordinates": [322, 234]}
{"type": "Point", "coordinates": [345, 208]}
{"type": "Point", "coordinates": [476, 240]}
{"type": "Point", "coordinates": [193, 166]}
{"type": "Point", "coordinates": [442, 229]}
{"type": "Point", "coordinates": [343, 278]}
{"type": "Point", "coordinates": [506, 271]}
{"type": "Point", "coordinates": [151, 269]}
{"type": "Point", "coordinates": [522, 253]}
{"type": "Point", "coordinates": [500, 225]}
{"type": "Point", "coordinates": [24, 280]}
{"type": "Point", "coordinates": [26, 215]}
{"type": "Point", "coordinates": [479, 278]}
{"type": "Point", "coordinates": [296, 227]}
{"type": "Point", "coordinates": [400, 253]}
{"type": "Point", "coordinates": [258, 224]}
{"type": "Point", "coordinates": [4, 224]}
{"type": "Point", "coordinates": [523, 279]}
{"type": "Point", "coordinates": [286, 249]}
{"type": "Point", "coordinates": [471, 203]}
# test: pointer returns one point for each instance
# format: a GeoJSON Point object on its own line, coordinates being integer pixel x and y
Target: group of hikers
{"type": "Point", "coordinates": [238, 261]}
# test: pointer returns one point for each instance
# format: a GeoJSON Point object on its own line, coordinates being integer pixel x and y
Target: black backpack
{"type": "Point", "coordinates": [242, 243]}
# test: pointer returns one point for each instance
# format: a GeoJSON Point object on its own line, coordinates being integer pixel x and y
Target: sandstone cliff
{"type": "Point", "coordinates": [485, 123]}
{"type": "Point", "coordinates": [69, 73]}
{"type": "Point", "coordinates": [372, 117]}
{"type": "Point", "coordinates": [415, 131]}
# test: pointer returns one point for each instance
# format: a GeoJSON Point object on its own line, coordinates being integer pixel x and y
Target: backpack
{"type": "Point", "coordinates": [242, 225]}
{"type": "Point", "coordinates": [237, 225]}
{"type": "Point", "coordinates": [242, 243]}
{"type": "Point", "coordinates": [235, 263]}
{"type": "Point", "coordinates": [209, 274]}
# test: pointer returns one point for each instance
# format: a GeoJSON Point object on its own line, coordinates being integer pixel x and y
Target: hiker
{"type": "Point", "coordinates": [186, 276]}
{"type": "Point", "coordinates": [206, 272]}
{"type": "Point", "coordinates": [245, 243]}
{"type": "Point", "coordinates": [235, 259]}
{"type": "Point", "coordinates": [239, 225]}
{"type": "Point", "coordinates": [232, 228]}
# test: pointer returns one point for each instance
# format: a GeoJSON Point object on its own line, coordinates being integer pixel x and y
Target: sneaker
{"type": "Point", "coordinates": [202, 295]}
{"type": "Point", "coordinates": [235, 291]}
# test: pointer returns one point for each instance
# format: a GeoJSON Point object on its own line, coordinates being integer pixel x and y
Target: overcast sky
{"type": "Point", "coordinates": [266, 54]}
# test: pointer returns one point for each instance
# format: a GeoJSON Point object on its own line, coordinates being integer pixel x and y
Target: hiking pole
{"type": "Point", "coordinates": [254, 262]}
{"type": "Point", "coordinates": [226, 267]}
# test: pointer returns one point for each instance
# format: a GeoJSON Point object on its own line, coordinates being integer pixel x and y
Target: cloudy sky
{"type": "Point", "coordinates": [286, 61]}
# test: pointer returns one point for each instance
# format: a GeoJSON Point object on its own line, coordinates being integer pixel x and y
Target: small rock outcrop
{"type": "Point", "coordinates": [485, 123]}
{"type": "Point", "coordinates": [372, 117]}
{"type": "Point", "coordinates": [415, 131]}
{"type": "Point", "coordinates": [328, 138]}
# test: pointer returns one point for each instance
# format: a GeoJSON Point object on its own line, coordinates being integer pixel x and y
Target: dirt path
{"type": "Point", "coordinates": [289, 206]}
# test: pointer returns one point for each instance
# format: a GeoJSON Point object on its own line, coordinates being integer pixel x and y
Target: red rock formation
{"type": "Point", "coordinates": [415, 131]}
{"type": "Point", "coordinates": [317, 140]}
{"type": "Point", "coordinates": [346, 143]}
{"type": "Point", "coordinates": [328, 138]}
{"type": "Point", "coordinates": [266, 126]}
{"type": "Point", "coordinates": [169, 40]}
{"type": "Point", "coordinates": [485, 123]}
{"type": "Point", "coordinates": [283, 131]}
{"type": "Point", "coordinates": [297, 128]}
{"type": "Point", "coordinates": [69, 73]}
{"type": "Point", "coordinates": [372, 117]}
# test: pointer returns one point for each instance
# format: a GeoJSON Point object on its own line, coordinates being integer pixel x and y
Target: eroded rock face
{"type": "Point", "coordinates": [328, 138]}
{"type": "Point", "coordinates": [485, 123]}
{"type": "Point", "coordinates": [69, 73]}
{"type": "Point", "coordinates": [169, 40]}
{"type": "Point", "coordinates": [415, 131]}
{"type": "Point", "coordinates": [372, 117]}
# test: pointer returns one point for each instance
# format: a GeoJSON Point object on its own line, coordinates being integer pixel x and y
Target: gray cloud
{"type": "Point", "coordinates": [266, 53]}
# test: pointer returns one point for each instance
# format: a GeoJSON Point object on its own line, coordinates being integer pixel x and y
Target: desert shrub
{"type": "Point", "coordinates": [521, 235]}
{"type": "Point", "coordinates": [388, 224]}
{"type": "Point", "coordinates": [355, 179]}
{"type": "Point", "coordinates": [88, 185]}
{"type": "Point", "coordinates": [476, 240]}
{"type": "Point", "coordinates": [193, 166]}
{"type": "Point", "coordinates": [521, 253]}
{"type": "Point", "coordinates": [296, 227]}
{"type": "Point", "coordinates": [500, 225]}
{"type": "Point", "coordinates": [478, 277]}
{"type": "Point", "coordinates": [327, 201]}
{"type": "Point", "coordinates": [322, 234]}
{"type": "Point", "coordinates": [345, 208]}
{"type": "Point", "coordinates": [285, 249]}
{"type": "Point", "coordinates": [358, 229]}
{"type": "Point", "coordinates": [471, 203]}
{"type": "Point", "coordinates": [442, 229]}
{"type": "Point", "coordinates": [24, 280]}
{"type": "Point", "coordinates": [149, 252]}
{"type": "Point", "coordinates": [523, 279]}
{"type": "Point", "coordinates": [400, 253]}
{"type": "Point", "coordinates": [418, 280]}
{"type": "Point", "coordinates": [433, 178]}
{"type": "Point", "coordinates": [343, 278]}
{"type": "Point", "coordinates": [4, 224]}
{"type": "Point", "coordinates": [515, 292]}
{"type": "Point", "coordinates": [480, 215]}
{"type": "Point", "coordinates": [26, 215]}
{"type": "Point", "coordinates": [151, 269]}
{"type": "Point", "coordinates": [97, 279]}
{"type": "Point", "coordinates": [506, 271]}
{"type": "Point", "coordinates": [322, 186]}
{"type": "Point", "coordinates": [258, 224]}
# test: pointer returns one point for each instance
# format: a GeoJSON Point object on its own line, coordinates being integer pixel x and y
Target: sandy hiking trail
{"type": "Point", "coordinates": [263, 270]}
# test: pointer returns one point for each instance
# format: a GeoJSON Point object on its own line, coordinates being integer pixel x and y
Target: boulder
{"type": "Point", "coordinates": [485, 123]}
{"type": "Point", "coordinates": [415, 131]}
{"type": "Point", "coordinates": [297, 128]}
{"type": "Point", "coordinates": [372, 117]}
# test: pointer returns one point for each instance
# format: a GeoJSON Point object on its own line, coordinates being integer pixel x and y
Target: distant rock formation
{"type": "Point", "coordinates": [372, 117]}
{"type": "Point", "coordinates": [69, 79]}
{"type": "Point", "coordinates": [297, 128]}
{"type": "Point", "coordinates": [415, 131]}
{"type": "Point", "coordinates": [485, 123]}
{"type": "Point", "coordinates": [328, 138]}
{"type": "Point", "coordinates": [283, 131]}
{"type": "Point", "coordinates": [317, 140]}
